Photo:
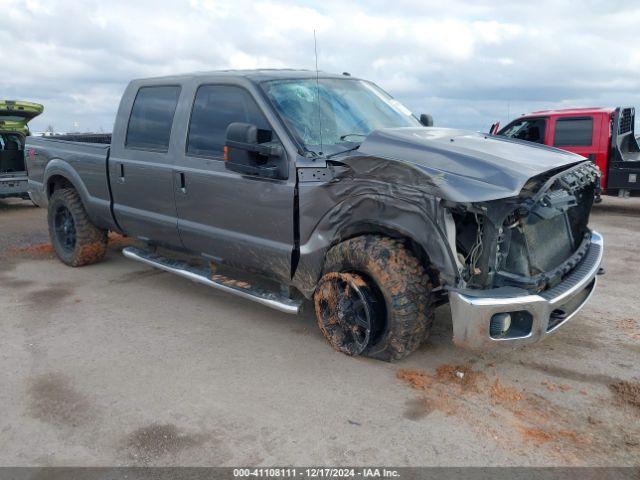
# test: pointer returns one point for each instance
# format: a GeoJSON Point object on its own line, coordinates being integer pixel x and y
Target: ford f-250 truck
{"type": "Point", "coordinates": [335, 191]}
{"type": "Point", "coordinates": [14, 117]}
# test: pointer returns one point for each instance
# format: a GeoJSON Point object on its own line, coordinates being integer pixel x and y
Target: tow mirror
{"type": "Point", "coordinates": [426, 120]}
{"type": "Point", "coordinates": [250, 150]}
{"type": "Point", "coordinates": [494, 128]}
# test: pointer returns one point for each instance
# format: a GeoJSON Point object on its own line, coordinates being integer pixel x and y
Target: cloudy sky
{"type": "Point", "coordinates": [466, 63]}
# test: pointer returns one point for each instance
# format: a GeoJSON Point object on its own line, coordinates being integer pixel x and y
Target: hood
{"type": "Point", "coordinates": [463, 166]}
{"type": "Point", "coordinates": [15, 115]}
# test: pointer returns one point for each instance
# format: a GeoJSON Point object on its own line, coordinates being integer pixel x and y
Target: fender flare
{"type": "Point", "coordinates": [377, 214]}
{"type": "Point", "coordinates": [59, 167]}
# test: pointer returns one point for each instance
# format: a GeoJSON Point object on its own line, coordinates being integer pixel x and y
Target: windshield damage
{"type": "Point", "coordinates": [329, 116]}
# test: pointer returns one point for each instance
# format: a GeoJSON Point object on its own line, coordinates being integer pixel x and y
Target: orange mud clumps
{"type": "Point", "coordinates": [506, 414]}
{"type": "Point", "coordinates": [536, 435]}
{"type": "Point", "coordinates": [415, 378]}
{"type": "Point", "coordinates": [461, 375]}
{"type": "Point", "coordinates": [501, 394]}
{"type": "Point", "coordinates": [45, 250]}
{"type": "Point", "coordinates": [116, 240]}
{"type": "Point", "coordinates": [42, 250]}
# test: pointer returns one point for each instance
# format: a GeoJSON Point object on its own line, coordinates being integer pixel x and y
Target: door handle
{"type": "Point", "coordinates": [183, 183]}
{"type": "Point", "coordinates": [121, 167]}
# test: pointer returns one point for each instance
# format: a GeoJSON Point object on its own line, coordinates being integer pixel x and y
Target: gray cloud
{"type": "Point", "coordinates": [468, 64]}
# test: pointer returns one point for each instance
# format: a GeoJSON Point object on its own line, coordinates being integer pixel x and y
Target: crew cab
{"type": "Point", "coordinates": [14, 117]}
{"type": "Point", "coordinates": [332, 191]}
{"type": "Point", "coordinates": [603, 135]}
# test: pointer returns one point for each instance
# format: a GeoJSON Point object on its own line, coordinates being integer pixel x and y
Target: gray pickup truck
{"type": "Point", "coordinates": [335, 192]}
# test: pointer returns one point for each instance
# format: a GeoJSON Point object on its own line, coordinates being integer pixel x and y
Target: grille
{"type": "Point", "coordinates": [626, 120]}
{"type": "Point", "coordinates": [549, 243]}
{"type": "Point", "coordinates": [546, 238]}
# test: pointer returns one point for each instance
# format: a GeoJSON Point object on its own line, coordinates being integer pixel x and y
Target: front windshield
{"type": "Point", "coordinates": [348, 111]}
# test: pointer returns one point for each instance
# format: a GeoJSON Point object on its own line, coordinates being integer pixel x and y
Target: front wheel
{"type": "Point", "coordinates": [374, 298]}
{"type": "Point", "coordinates": [76, 240]}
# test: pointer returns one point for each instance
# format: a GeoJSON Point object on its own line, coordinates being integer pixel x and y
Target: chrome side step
{"type": "Point", "coordinates": [220, 282]}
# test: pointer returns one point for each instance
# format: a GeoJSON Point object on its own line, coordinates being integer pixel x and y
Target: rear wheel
{"type": "Point", "coordinates": [75, 239]}
{"type": "Point", "coordinates": [374, 299]}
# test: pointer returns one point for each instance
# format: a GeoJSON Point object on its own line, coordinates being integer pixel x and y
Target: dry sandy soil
{"type": "Point", "coordinates": [120, 364]}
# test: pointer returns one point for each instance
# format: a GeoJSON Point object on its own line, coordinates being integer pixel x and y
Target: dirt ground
{"type": "Point", "coordinates": [120, 364]}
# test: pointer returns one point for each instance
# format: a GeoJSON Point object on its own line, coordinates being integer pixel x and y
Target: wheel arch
{"type": "Point", "coordinates": [375, 227]}
{"type": "Point", "coordinates": [60, 174]}
{"type": "Point", "coordinates": [418, 230]}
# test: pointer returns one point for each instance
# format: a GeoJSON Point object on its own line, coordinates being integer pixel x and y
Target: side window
{"type": "Point", "coordinates": [573, 132]}
{"type": "Point", "coordinates": [151, 117]}
{"type": "Point", "coordinates": [532, 130]}
{"type": "Point", "coordinates": [215, 107]}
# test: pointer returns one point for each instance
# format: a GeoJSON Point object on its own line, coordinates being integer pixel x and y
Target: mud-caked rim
{"type": "Point", "coordinates": [347, 311]}
{"type": "Point", "coordinates": [65, 229]}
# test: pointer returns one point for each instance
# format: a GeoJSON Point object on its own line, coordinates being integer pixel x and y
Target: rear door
{"type": "Point", "coordinates": [575, 134]}
{"type": "Point", "coordinates": [141, 164]}
{"type": "Point", "coordinates": [243, 220]}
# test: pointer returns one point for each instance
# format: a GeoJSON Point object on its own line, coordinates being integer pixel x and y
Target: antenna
{"type": "Point", "coordinates": [315, 48]}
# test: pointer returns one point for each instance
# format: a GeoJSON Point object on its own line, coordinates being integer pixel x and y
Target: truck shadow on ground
{"type": "Point", "coordinates": [14, 204]}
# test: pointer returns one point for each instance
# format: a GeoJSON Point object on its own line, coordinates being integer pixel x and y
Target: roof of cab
{"type": "Point", "coordinates": [571, 111]}
{"type": "Point", "coordinates": [259, 75]}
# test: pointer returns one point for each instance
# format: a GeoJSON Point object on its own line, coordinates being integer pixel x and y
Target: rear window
{"type": "Point", "coordinates": [152, 117]}
{"type": "Point", "coordinates": [573, 132]}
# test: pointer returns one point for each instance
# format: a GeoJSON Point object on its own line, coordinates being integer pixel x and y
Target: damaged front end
{"type": "Point", "coordinates": [527, 263]}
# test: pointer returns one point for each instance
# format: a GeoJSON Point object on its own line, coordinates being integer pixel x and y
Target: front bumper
{"type": "Point", "coordinates": [539, 315]}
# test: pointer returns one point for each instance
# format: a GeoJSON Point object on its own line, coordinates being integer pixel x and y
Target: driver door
{"type": "Point", "coordinates": [239, 219]}
{"type": "Point", "coordinates": [529, 129]}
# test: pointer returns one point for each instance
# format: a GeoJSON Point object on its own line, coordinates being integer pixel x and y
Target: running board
{"type": "Point", "coordinates": [220, 282]}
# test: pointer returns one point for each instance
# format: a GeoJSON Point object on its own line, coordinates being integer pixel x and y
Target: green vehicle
{"type": "Point", "coordinates": [14, 117]}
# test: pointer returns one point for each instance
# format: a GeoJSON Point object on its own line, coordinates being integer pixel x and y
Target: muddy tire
{"type": "Point", "coordinates": [374, 298]}
{"type": "Point", "coordinates": [76, 240]}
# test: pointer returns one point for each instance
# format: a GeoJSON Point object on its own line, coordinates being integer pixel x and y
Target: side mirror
{"type": "Point", "coordinates": [494, 128]}
{"type": "Point", "coordinates": [426, 120]}
{"type": "Point", "coordinates": [249, 150]}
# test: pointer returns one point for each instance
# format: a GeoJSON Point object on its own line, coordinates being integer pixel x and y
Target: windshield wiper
{"type": "Point", "coordinates": [344, 137]}
{"type": "Point", "coordinates": [343, 151]}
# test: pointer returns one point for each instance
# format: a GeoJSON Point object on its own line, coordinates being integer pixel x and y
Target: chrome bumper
{"type": "Point", "coordinates": [545, 312]}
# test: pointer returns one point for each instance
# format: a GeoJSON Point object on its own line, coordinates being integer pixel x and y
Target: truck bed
{"type": "Point", "coordinates": [86, 156]}
{"type": "Point", "coordinates": [101, 138]}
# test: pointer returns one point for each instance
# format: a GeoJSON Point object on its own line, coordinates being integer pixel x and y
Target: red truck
{"type": "Point", "coordinates": [603, 135]}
